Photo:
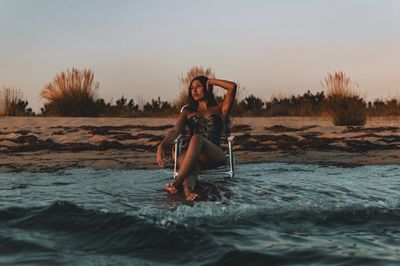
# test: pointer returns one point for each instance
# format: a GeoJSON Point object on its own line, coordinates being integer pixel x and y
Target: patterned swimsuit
{"type": "Point", "coordinates": [210, 127]}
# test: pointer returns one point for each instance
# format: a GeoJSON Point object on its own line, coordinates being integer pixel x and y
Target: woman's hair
{"type": "Point", "coordinates": [208, 94]}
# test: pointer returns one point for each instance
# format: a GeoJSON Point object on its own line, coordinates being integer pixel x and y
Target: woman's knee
{"type": "Point", "coordinates": [197, 138]}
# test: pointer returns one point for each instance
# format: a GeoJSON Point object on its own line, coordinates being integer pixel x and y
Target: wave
{"type": "Point", "coordinates": [56, 215]}
{"type": "Point", "coordinates": [231, 214]}
{"type": "Point", "coordinates": [108, 233]}
{"type": "Point", "coordinates": [184, 239]}
{"type": "Point", "coordinates": [297, 257]}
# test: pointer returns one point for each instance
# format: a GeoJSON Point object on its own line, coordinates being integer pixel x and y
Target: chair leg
{"type": "Point", "coordinates": [231, 161]}
{"type": "Point", "coordinates": [176, 144]}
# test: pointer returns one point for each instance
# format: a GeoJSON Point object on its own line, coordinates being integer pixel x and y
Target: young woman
{"type": "Point", "coordinates": [205, 119]}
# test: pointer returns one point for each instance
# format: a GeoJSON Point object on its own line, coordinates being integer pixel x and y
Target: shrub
{"type": "Point", "coordinates": [307, 104]}
{"type": "Point", "coordinates": [386, 107]}
{"type": "Point", "coordinates": [344, 105]}
{"type": "Point", "coordinates": [121, 108]}
{"type": "Point", "coordinates": [252, 105]}
{"type": "Point", "coordinates": [71, 93]}
{"type": "Point", "coordinates": [157, 106]}
{"type": "Point", "coordinates": [12, 104]}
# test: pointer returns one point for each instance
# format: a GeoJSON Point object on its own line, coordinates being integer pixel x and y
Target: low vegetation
{"type": "Point", "coordinates": [74, 93]}
{"type": "Point", "coordinates": [71, 93]}
{"type": "Point", "coordinates": [344, 105]}
{"type": "Point", "coordinates": [12, 103]}
{"type": "Point", "coordinates": [386, 107]}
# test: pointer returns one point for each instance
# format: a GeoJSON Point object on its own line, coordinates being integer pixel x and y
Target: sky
{"type": "Point", "coordinates": [140, 48]}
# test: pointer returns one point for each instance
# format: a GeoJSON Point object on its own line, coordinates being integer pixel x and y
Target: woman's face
{"type": "Point", "coordinates": [197, 90]}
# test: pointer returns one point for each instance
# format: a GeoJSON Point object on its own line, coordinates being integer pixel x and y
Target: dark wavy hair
{"type": "Point", "coordinates": [193, 105]}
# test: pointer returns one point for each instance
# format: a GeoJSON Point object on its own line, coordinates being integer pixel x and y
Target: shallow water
{"type": "Point", "coordinates": [282, 214]}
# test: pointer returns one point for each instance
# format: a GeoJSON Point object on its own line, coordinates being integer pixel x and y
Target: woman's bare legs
{"type": "Point", "coordinates": [189, 183]}
{"type": "Point", "coordinates": [199, 148]}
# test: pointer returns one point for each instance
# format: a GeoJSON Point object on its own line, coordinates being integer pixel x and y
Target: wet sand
{"type": "Point", "coordinates": [35, 144]}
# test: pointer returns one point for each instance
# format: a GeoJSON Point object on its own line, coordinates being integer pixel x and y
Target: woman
{"type": "Point", "coordinates": [205, 119]}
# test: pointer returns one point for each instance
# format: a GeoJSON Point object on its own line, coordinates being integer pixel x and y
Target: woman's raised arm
{"type": "Point", "coordinates": [231, 87]}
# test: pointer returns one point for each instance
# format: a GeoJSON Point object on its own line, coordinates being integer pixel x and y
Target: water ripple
{"type": "Point", "coordinates": [269, 213]}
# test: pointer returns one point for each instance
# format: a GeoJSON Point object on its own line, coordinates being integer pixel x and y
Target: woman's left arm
{"type": "Point", "coordinates": [231, 87]}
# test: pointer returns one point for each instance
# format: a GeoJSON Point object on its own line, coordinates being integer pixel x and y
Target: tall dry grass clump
{"type": "Point", "coordinates": [185, 79]}
{"type": "Point", "coordinates": [8, 96]}
{"type": "Point", "coordinates": [71, 93]}
{"type": "Point", "coordinates": [343, 104]}
{"type": "Point", "coordinates": [12, 104]}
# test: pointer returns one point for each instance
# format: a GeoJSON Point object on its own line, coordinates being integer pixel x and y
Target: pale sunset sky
{"type": "Point", "coordinates": [140, 48]}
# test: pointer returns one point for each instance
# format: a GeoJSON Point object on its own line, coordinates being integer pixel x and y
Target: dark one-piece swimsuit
{"type": "Point", "coordinates": [210, 127]}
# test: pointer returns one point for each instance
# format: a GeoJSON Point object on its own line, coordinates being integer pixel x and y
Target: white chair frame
{"type": "Point", "coordinates": [229, 157]}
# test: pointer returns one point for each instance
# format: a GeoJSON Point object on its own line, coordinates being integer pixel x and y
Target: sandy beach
{"type": "Point", "coordinates": [35, 144]}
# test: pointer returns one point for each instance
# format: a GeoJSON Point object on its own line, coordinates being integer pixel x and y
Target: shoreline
{"type": "Point", "coordinates": [33, 162]}
{"type": "Point", "coordinates": [29, 144]}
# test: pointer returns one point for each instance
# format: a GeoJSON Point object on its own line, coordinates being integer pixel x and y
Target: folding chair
{"type": "Point", "coordinates": [226, 143]}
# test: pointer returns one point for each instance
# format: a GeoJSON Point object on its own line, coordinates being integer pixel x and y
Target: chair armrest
{"type": "Point", "coordinates": [177, 138]}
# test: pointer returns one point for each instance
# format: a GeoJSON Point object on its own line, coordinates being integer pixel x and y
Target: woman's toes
{"type": "Point", "coordinates": [170, 188]}
{"type": "Point", "coordinates": [192, 196]}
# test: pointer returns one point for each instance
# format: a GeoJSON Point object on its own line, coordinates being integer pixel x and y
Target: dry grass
{"type": "Point", "coordinates": [185, 79]}
{"type": "Point", "coordinates": [71, 93]}
{"type": "Point", "coordinates": [9, 96]}
{"type": "Point", "coordinates": [344, 105]}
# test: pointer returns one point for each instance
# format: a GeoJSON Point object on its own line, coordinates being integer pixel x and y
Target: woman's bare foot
{"type": "Point", "coordinates": [171, 189]}
{"type": "Point", "coordinates": [190, 195]}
